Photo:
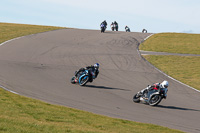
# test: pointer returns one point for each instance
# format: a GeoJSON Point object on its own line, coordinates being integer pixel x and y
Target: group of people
{"type": "Point", "coordinates": [114, 26]}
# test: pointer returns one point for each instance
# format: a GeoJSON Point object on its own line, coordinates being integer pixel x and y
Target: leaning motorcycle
{"type": "Point", "coordinates": [127, 29]}
{"type": "Point", "coordinates": [82, 78]}
{"type": "Point", "coordinates": [150, 97]}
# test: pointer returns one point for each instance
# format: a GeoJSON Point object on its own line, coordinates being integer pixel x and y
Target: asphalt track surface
{"type": "Point", "coordinates": [40, 66]}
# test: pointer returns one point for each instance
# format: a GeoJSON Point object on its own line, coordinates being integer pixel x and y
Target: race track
{"type": "Point", "coordinates": [41, 66]}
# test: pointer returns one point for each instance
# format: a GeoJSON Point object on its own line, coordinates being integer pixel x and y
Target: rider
{"type": "Point", "coordinates": [93, 71]}
{"type": "Point", "coordinates": [127, 28]}
{"type": "Point", "coordinates": [157, 87]}
{"type": "Point", "coordinates": [104, 23]}
{"type": "Point", "coordinates": [144, 31]}
{"type": "Point", "coordinates": [116, 25]}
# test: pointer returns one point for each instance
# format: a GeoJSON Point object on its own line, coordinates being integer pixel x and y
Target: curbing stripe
{"type": "Point", "coordinates": [10, 40]}
{"type": "Point", "coordinates": [8, 90]}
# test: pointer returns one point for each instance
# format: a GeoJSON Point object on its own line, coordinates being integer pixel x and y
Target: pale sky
{"type": "Point", "coordinates": [154, 15]}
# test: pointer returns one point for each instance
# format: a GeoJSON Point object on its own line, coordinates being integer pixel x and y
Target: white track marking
{"type": "Point", "coordinates": [8, 89]}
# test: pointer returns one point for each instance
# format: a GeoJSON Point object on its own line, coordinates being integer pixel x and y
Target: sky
{"type": "Point", "coordinates": [157, 16]}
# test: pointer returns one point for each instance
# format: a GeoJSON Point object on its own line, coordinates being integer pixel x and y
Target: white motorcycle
{"type": "Point", "coordinates": [150, 96]}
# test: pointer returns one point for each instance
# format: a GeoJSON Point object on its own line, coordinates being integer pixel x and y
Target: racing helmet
{"type": "Point", "coordinates": [164, 84]}
{"type": "Point", "coordinates": [96, 65]}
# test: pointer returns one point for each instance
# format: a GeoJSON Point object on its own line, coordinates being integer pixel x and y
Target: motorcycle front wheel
{"type": "Point", "coordinates": [102, 30]}
{"type": "Point", "coordinates": [83, 80]}
{"type": "Point", "coordinates": [136, 98]}
{"type": "Point", "coordinates": [155, 100]}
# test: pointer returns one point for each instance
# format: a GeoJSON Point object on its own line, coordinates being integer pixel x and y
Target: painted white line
{"type": "Point", "coordinates": [10, 40]}
{"type": "Point", "coordinates": [148, 37]}
{"type": "Point", "coordinates": [162, 71]}
{"type": "Point", "coordinates": [8, 90]}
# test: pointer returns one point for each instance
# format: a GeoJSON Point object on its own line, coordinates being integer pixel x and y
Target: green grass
{"type": "Point", "coordinates": [9, 31]}
{"type": "Point", "coordinates": [186, 69]}
{"type": "Point", "coordinates": [21, 114]}
{"type": "Point", "coordinates": [173, 43]}
{"type": "Point", "coordinates": [26, 115]}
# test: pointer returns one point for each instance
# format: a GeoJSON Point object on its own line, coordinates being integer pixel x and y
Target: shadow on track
{"type": "Point", "coordinates": [104, 87]}
{"type": "Point", "coordinates": [177, 108]}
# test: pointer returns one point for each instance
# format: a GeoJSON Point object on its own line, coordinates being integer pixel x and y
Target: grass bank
{"type": "Point", "coordinates": [22, 114]}
{"type": "Point", "coordinates": [184, 69]}
{"type": "Point", "coordinates": [9, 31]}
{"type": "Point", "coordinates": [173, 43]}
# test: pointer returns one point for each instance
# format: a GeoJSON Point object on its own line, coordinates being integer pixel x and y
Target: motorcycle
{"type": "Point", "coordinates": [103, 28]}
{"type": "Point", "coordinates": [82, 78]}
{"type": "Point", "coordinates": [112, 28]}
{"type": "Point", "coordinates": [127, 29]}
{"type": "Point", "coordinates": [150, 97]}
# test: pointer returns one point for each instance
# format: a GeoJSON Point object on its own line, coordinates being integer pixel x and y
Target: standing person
{"type": "Point", "coordinates": [112, 26]}
{"type": "Point", "coordinates": [116, 25]}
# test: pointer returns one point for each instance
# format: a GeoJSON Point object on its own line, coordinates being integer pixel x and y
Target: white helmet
{"type": "Point", "coordinates": [164, 84]}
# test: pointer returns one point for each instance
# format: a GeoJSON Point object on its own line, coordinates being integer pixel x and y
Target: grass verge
{"type": "Point", "coordinates": [173, 43]}
{"type": "Point", "coordinates": [184, 68]}
{"type": "Point", "coordinates": [21, 114]}
{"type": "Point", "coordinates": [9, 31]}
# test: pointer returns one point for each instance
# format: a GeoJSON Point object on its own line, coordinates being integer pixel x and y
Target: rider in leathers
{"type": "Point", "coordinates": [157, 87]}
{"type": "Point", "coordinates": [93, 71]}
{"type": "Point", "coordinates": [104, 23]}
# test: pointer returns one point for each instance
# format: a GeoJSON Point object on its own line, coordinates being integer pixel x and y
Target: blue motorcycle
{"type": "Point", "coordinates": [82, 78]}
{"type": "Point", "coordinates": [103, 28]}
